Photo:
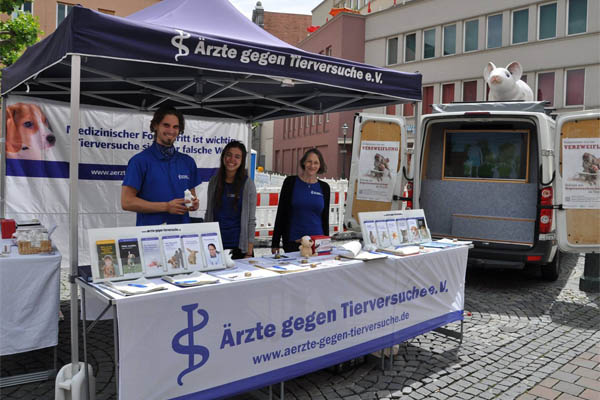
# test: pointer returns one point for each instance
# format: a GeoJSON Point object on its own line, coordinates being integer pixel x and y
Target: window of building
{"type": "Point", "coordinates": [62, 10]}
{"type": "Point", "coordinates": [449, 40]}
{"type": "Point", "coordinates": [328, 51]}
{"type": "Point", "coordinates": [545, 85]}
{"type": "Point", "coordinates": [520, 26]}
{"type": "Point", "coordinates": [429, 43]}
{"type": "Point", "coordinates": [392, 51]}
{"type": "Point", "coordinates": [448, 93]}
{"type": "Point", "coordinates": [469, 91]}
{"type": "Point", "coordinates": [472, 35]}
{"type": "Point", "coordinates": [494, 31]}
{"type": "Point", "coordinates": [547, 21]}
{"type": "Point", "coordinates": [410, 47]}
{"type": "Point", "coordinates": [427, 100]}
{"type": "Point", "coordinates": [27, 7]}
{"type": "Point", "coordinates": [390, 110]}
{"type": "Point", "coordinates": [408, 110]}
{"type": "Point", "coordinates": [575, 83]}
{"type": "Point", "coordinates": [577, 16]}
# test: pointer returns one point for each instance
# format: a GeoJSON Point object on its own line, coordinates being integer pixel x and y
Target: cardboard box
{"type": "Point", "coordinates": [321, 244]}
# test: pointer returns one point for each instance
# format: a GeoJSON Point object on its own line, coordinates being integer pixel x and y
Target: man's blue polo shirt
{"type": "Point", "coordinates": [157, 177]}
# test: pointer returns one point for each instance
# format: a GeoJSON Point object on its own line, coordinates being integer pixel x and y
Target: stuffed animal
{"type": "Point", "coordinates": [505, 83]}
{"type": "Point", "coordinates": [305, 247]}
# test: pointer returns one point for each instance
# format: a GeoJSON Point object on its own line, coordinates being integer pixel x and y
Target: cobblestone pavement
{"type": "Point", "coordinates": [523, 339]}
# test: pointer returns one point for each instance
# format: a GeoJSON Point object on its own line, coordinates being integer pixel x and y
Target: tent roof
{"type": "Point", "coordinates": [203, 57]}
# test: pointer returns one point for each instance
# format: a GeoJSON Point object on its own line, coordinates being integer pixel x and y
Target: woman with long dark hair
{"type": "Point", "coordinates": [231, 201]}
{"type": "Point", "coordinates": [303, 204]}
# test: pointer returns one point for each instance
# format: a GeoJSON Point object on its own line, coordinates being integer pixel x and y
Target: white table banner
{"type": "Point", "coordinates": [222, 339]}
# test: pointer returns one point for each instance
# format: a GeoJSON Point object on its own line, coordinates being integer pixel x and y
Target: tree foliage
{"type": "Point", "coordinates": [18, 33]}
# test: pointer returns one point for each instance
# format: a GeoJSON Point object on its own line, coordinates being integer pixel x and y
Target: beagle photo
{"type": "Point", "coordinates": [28, 132]}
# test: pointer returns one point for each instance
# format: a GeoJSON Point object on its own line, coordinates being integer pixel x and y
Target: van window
{"type": "Point", "coordinates": [490, 155]}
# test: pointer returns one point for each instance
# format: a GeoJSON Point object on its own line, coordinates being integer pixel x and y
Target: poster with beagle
{"type": "Point", "coordinates": [29, 134]}
{"type": "Point", "coordinates": [38, 147]}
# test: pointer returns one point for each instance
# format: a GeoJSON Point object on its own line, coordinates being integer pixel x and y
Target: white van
{"type": "Point", "coordinates": [492, 173]}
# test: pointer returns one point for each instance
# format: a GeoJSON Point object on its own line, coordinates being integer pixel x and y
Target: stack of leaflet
{"type": "Point", "coordinates": [137, 286]}
{"type": "Point", "coordinates": [194, 279]}
{"type": "Point", "coordinates": [244, 269]}
{"type": "Point", "coordinates": [353, 250]}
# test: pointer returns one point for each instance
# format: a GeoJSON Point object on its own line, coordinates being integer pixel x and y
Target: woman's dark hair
{"type": "Point", "coordinates": [315, 151]}
{"type": "Point", "coordinates": [161, 113]}
{"type": "Point", "coordinates": [238, 179]}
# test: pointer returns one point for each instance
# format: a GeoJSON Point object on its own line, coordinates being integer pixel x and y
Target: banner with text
{"type": "Point", "coordinates": [38, 151]}
{"type": "Point", "coordinates": [218, 340]}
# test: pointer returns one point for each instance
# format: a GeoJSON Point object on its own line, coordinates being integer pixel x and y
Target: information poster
{"type": "Point", "coordinates": [377, 168]}
{"type": "Point", "coordinates": [581, 173]}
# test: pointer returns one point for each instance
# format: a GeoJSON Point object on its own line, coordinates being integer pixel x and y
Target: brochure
{"type": "Point", "coordinates": [108, 264]}
{"type": "Point", "coordinates": [394, 232]}
{"type": "Point", "coordinates": [383, 234]}
{"type": "Point", "coordinates": [129, 253]}
{"type": "Point", "coordinates": [403, 250]}
{"type": "Point", "coordinates": [370, 236]}
{"type": "Point", "coordinates": [173, 253]}
{"type": "Point", "coordinates": [192, 252]}
{"type": "Point", "coordinates": [403, 229]}
{"type": "Point", "coordinates": [137, 286]}
{"type": "Point", "coordinates": [194, 279]}
{"type": "Point", "coordinates": [213, 254]}
{"type": "Point", "coordinates": [423, 231]}
{"type": "Point", "coordinates": [413, 231]}
{"type": "Point", "coordinates": [152, 256]}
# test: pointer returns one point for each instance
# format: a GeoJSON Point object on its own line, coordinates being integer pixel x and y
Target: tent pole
{"type": "Point", "coordinates": [74, 209]}
{"type": "Point", "coordinates": [3, 159]}
{"type": "Point", "coordinates": [249, 154]}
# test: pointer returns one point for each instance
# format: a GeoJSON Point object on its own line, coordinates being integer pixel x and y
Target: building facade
{"type": "Point", "coordinates": [341, 37]}
{"type": "Point", "coordinates": [51, 13]}
{"type": "Point", "coordinates": [292, 29]}
{"type": "Point", "coordinates": [556, 42]}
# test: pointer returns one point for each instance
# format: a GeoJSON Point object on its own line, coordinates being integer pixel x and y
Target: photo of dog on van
{"type": "Point", "coordinates": [591, 168]}
{"type": "Point", "coordinates": [28, 132]}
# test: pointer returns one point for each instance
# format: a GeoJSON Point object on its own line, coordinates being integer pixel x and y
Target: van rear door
{"type": "Point", "coordinates": [378, 159]}
{"type": "Point", "coordinates": [577, 166]}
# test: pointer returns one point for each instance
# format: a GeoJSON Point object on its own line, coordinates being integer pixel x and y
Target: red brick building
{"type": "Point", "coordinates": [341, 37]}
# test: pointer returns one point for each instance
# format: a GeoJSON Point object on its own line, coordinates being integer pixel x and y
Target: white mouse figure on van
{"type": "Point", "coordinates": [505, 83]}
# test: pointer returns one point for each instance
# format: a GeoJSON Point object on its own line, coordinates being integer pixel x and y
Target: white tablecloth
{"type": "Point", "coordinates": [29, 301]}
{"type": "Point", "coordinates": [218, 340]}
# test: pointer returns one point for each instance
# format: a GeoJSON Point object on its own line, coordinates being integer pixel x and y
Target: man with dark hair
{"type": "Point", "coordinates": [156, 178]}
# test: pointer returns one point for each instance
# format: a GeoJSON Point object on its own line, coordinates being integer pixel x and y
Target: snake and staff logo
{"type": "Point", "coordinates": [191, 349]}
{"type": "Point", "coordinates": [177, 41]}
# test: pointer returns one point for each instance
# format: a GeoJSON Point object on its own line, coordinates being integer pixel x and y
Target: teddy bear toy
{"type": "Point", "coordinates": [305, 247]}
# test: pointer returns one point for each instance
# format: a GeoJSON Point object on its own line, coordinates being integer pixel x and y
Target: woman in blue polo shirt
{"type": "Point", "coordinates": [231, 201]}
{"type": "Point", "coordinates": [303, 204]}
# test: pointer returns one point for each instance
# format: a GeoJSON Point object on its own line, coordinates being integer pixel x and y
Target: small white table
{"type": "Point", "coordinates": [29, 306]}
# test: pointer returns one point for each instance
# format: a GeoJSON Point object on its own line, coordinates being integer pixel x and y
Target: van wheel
{"type": "Point", "coordinates": [551, 270]}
